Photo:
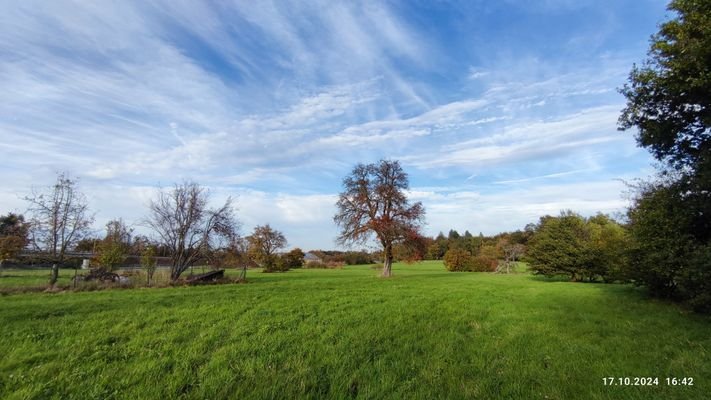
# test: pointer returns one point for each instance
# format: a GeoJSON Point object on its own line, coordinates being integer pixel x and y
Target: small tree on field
{"type": "Point", "coordinates": [115, 247]}
{"type": "Point", "coordinates": [60, 218]}
{"type": "Point", "coordinates": [560, 246]}
{"type": "Point", "coordinates": [374, 203]}
{"type": "Point", "coordinates": [585, 249]}
{"type": "Point", "coordinates": [512, 252]}
{"type": "Point", "coordinates": [149, 262]}
{"type": "Point", "coordinates": [294, 258]}
{"type": "Point", "coordinates": [13, 236]}
{"type": "Point", "coordinates": [264, 242]}
{"type": "Point", "coordinates": [187, 227]}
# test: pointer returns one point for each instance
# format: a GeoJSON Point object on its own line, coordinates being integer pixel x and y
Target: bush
{"type": "Point", "coordinates": [457, 260]}
{"type": "Point", "coordinates": [324, 265]}
{"type": "Point", "coordinates": [358, 258]}
{"type": "Point", "coordinates": [294, 258]}
{"type": "Point", "coordinates": [483, 264]}
{"type": "Point", "coordinates": [274, 263]}
{"type": "Point", "coordinates": [670, 253]}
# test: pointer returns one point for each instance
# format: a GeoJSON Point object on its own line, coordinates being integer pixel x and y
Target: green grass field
{"type": "Point", "coordinates": [423, 334]}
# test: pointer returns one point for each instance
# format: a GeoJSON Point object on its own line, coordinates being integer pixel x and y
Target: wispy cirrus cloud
{"type": "Point", "coordinates": [275, 102]}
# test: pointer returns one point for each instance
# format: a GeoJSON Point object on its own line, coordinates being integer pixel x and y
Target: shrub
{"type": "Point", "coordinates": [457, 260]}
{"type": "Point", "coordinates": [483, 264]}
{"type": "Point", "coordinates": [314, 264]}
{"type": "Point", "coordinates": [324, 265]}
{"type": "Point", "coordinates": [294, 258]}
{"type": "Point", "coordinates": [274, 263]}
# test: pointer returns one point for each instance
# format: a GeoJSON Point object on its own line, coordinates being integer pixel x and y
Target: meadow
{"type": "Point", "coordinates": [423, 334]}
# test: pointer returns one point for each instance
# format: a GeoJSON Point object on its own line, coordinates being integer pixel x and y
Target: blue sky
{"type": "Point", "coordinates": [500, 111]}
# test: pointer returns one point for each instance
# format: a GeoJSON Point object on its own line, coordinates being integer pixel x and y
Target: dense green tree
{"type": "Point", "coordinates": [669, 97]}
{"type": "Point", "coordinates": [559, 246]}
{"type": "Point", "coordinates": [609, 248]}
{"type": "Point", "coordinates": [665, 256]}
{"type": "Point", "coordinates": [584, 249]}
{"type": "Point", "coordinates": [669, 104]}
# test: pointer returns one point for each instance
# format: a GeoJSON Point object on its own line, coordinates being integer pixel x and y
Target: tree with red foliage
{"type": "Point", "coordinates": [374, 203]}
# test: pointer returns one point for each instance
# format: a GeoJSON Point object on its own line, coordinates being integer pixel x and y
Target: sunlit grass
{"type": "Point", "coordinates": [425, 333]}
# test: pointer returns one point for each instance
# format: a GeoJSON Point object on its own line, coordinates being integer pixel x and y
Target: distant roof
{"type": "Point", "coordinates": [311, 257]}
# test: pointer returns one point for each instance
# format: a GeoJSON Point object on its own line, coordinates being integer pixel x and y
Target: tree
{"type": "Point", "coordinates": [374, 203]}
{"type": "Point", "coordinates": [512, 252]}
{"type": "Point", "coordinates": [87, 245]}
{"type": "Point", "coordinates": [668, 97]}
{"type": "Point", "coordinates": [238, 256]}
{"type": "Point", "coordinates": [187, 227]}
{"type": "Point", "coordinates": [609, 248]}
{"type": "Point", "coordinates": [294, 258]}
{"type": "Point", "coordinates": [263, 245]}
{"type": "Point", "coordinates": [148, 262]}
{"type": "Point", "coordinates": [13, 236]}
{"type": "Point", "coordinates": [116, 245]}
{"type": "Point", "coordinates": [665, 256]}
{"type": "Point", "coordinates": [559, 246]}
{"type": "Point", "coordinates": [436, 250]}
{"type": "Point", "coordinates": [669, 104]}
{"type": "Point", "coordinates": [487, 258]}
{"type": "Point", "coordinates": [60, 218]}
{"type": "Point", "coordinates": [585, 249]}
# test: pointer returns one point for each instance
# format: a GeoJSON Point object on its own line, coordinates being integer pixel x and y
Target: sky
{"type": "Point", "coordinates": [499, 111]}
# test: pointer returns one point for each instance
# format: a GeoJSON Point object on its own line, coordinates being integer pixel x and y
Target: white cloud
{"type": "Point", "coordinates": [526, 140]}
{"type": "Point", "coordinates": [512, 208]}
{"type": "Point", "coordinates": [283, 98]}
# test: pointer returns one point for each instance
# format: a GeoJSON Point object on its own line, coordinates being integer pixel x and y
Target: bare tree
{"type": "Point", "coordinates": [60, 218]}
{"type": "Point", "coordinates": [263, 244]}
{"type": "Point", "coordinates": [236, 254]}
{"type": "Point", "coordinates": [512, 252]}
{"type": "Point", "coordinates": [374, 202]}
{"type": "Point", "coordinates": [187, 227]}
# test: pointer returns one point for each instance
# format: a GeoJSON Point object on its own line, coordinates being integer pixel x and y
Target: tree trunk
{"type": "Point", "coordinates": [54, 275]}
{"type": "Point", "coordinates": [243, 274]}
{"type": "Point", "coordinates": [388, 261]}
